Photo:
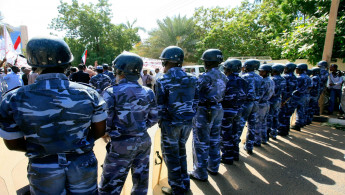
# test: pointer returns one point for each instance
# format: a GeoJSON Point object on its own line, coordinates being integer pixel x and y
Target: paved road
{"type": "Point", "coordinates": [307, 162]}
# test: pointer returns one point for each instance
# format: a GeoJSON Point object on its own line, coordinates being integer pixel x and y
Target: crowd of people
{"type": "Point", "coordinates": [57, 119]}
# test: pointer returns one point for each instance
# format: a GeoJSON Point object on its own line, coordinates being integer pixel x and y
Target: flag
{"type": "Point", "coordinates": [83, 57]}
{"type": "Point", "coordinates": [17, 46]}
{"type": "Point", "coordinates": [10, 53]}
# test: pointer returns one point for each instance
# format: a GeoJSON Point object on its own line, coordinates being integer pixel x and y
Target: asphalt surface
{"type": "Point", "coordinates": [307, 162]}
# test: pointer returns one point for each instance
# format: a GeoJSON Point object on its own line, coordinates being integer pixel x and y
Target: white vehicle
{"type": "Point", "coordinates": [196, 70]}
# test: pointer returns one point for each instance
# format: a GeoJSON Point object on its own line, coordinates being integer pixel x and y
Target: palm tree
{"type": "Point", "coordinates": [131, 25]}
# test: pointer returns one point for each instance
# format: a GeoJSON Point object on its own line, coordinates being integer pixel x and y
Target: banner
{"type": "Point", "coordinates": [10, 53]}
{"type": "Point", "coordinates": [152, 64]}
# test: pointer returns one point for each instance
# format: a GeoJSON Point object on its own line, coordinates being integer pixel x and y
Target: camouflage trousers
{"type": "Point", "coordinates": [272, 119]}
{"type": "Point", "coordinates": [313, 104]}
{"type": "Point", "coordinates": [250, 114]}
{"type": "Point", "coordinates": [126, 153]}
{"type": "Point", "coordinates": [285, 114]}
{"type": "Point", "coordinates": [300, 106]}
{"type": "Point", "coordinates": [261, 125]}
{"type": "Point", "coordinates": [174, 137]}
{"type": "Point", "coordinates": [307, 110]}
{"type": "Point", "coordinates": [66, 176]}
{"type": "Point", "coordinates": [230, 134]}
{"type": "Point", "coordinates": [206, 140]}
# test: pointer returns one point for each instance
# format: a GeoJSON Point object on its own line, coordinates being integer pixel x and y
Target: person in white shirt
{"type": "Point", "coordinates": [334, 85]}
{"type": "Point", "coordinates": [13, 79]}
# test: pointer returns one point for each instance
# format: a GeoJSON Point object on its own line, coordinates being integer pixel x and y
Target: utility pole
{"type": "Point", "coordinates": [328, 47]}
{"type": "Point", "coordinates": [332, 21]}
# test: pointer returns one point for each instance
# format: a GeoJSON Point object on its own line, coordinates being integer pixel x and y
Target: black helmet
{"type": "Point", "coordinates": [290, 67]}
{"type": "Point", "coordinates": [322, 64]}
{"type": "Point", "coordinates": [309, 72]}
{"type": "Point", "coordinates": [105, 66]}
{"type": "Point", "coordinates": [48, 52]}
{"type": "Point", "coordinates": [251, 64]}
{"type": "Point", "coordinates": [303, 67]}
{"type": "Point", "coordinates": [278, 68]}
{"type": "Point", "coordinates": [265, 67]}
{"type": "Point", "coordinates": [130, 64]}
{"type": "Point", "coordinates": [172, 54]}
{"type": "Point", "coordinates": [233, 65]}
{"type": "Point", "coordinates": [316, 71]}
{"type": "Point", "coordinates": [212, 55]}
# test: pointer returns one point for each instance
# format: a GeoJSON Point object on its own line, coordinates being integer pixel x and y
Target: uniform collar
{"type": "Point", "coordinates": [127, 81]}
{"type": "Point", "coordinates": [51, 76]}
{"type": "Point", "coordinates": [174, 69]}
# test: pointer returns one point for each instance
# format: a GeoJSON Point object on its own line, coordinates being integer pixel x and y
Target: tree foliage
{"type": "Point", "coordinates": [177, 31]}
{"type": "Point", "coordinates": [278, 28]}
{"type": "Point", "coordinates": [89, 25]}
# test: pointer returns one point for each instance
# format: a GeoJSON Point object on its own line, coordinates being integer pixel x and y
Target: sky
{"type": "Point", "coordinates": [38, 14]}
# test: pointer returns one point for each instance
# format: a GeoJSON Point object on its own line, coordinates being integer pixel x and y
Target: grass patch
{"type": "Point", "coordinates": [334, 126]}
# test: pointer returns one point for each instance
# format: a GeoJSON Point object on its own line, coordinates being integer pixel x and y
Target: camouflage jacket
{"type": "Point", "coordinates": [131, 109]}
{"type": "Point", "coordinates": [177, 95]}
{"type": "Point", "coordinates": [256, 87]}
{"type": "Point", "coordinates": [235, 92]}
{"type": "Point", "coordinates": [279, 87]}
{"type": "Point", "coordinates": [100, 81]}
{"type": "Point", "coordinates": [53, 114]}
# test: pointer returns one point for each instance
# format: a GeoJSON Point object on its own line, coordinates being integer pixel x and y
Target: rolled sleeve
{"type": "Point", "coordinates": [10, 135]}
{"type": "Point", "coordinates": [99, 113]}
{"type": "Point", "coordinates": [8, 127]}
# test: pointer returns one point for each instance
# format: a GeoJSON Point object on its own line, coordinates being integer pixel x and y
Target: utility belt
{"type": "Point", "coordinates": [208, 104]}
{"type": "Point", "coordinates": [54, 158]}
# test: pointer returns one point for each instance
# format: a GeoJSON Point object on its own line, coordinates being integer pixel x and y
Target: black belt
{"type": "Point", "coordinates": [53, 158]}
{"type": "Point", "coordinates": [207, 104]}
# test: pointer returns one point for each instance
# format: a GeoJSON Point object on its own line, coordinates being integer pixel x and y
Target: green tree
{"type": "Point", "coordinates": [177, 31]}
{"type": "Point", "coordinates": [89, 25]}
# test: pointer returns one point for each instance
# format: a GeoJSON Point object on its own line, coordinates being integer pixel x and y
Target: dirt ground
{"type": "Point", "coordinates": [307, 162]}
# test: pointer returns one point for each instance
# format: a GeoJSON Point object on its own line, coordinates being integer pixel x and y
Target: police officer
{"type": "Point", "coordinates": [299, 95]}
{"type": "Point", "coordinates": [207, 122]}
{"type": "Point", "coordinates": [177, 102]}
{"type": "Point", "coordinates": [323, 65]}
{"type": "Point", "coordinates": [250, 110]}
{"type": "Point", "coordinates": [234, 98]}
{"type": "Point", "coordinates": [55, 122]}
{"type": "Point", "coordinates": [100, 81]}
{"type": "Point", "coordinates": [264, 106]}
{"type": "Point", "coordinates": [109, 73]}
{"type": "Point", "coordinates": [287, 106]}
{"type": "Point", "coordinates": [275, 101]}
{"type": "Point", "coordinates": [132, 110]}
{"type": "Point", "coordinates": [307, 108]}
{"type": "Point", "coordinates": [314, 93]}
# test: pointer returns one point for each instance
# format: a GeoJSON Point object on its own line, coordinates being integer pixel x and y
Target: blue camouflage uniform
{"type": "Point", "coordinates": [287, 108]}
{"type": "Point", "coordinates": [275, 102]}
{"type": "Point", "coordinates": [100, 82]}
{"type": "Point", "coordinates": [54, 115]}
{"type": "Point", "coordinates": [131, 111]}
{"type": "Point", "coordinates": [111, 76]}
{"type": "Point", "coordinates": [207, 122]}
{"type": "Point", "coordinates": [263, 109]}
{"type": "Point", "coordinates": [177, 102]}
{"type": "Point", "coordinates": [251, 106]}
{"type": "Point", "coordinates": [299, 98]}
{"type": "Point", "coordinates": [324, 74]}
{"type": "Point", "coordinates": [307, 109]}
{"type": "Point", "coordinates": [314, 96]}
{"type": "Point", "coordinates": [234, 98]}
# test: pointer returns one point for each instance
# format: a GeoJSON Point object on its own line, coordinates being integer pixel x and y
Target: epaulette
{"type": "Point", "coordinates": [10, 90]}
{"type": "Point", "coordinates": [86, 84]}
{"type": "Point", "coordinates": [110, 86]}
